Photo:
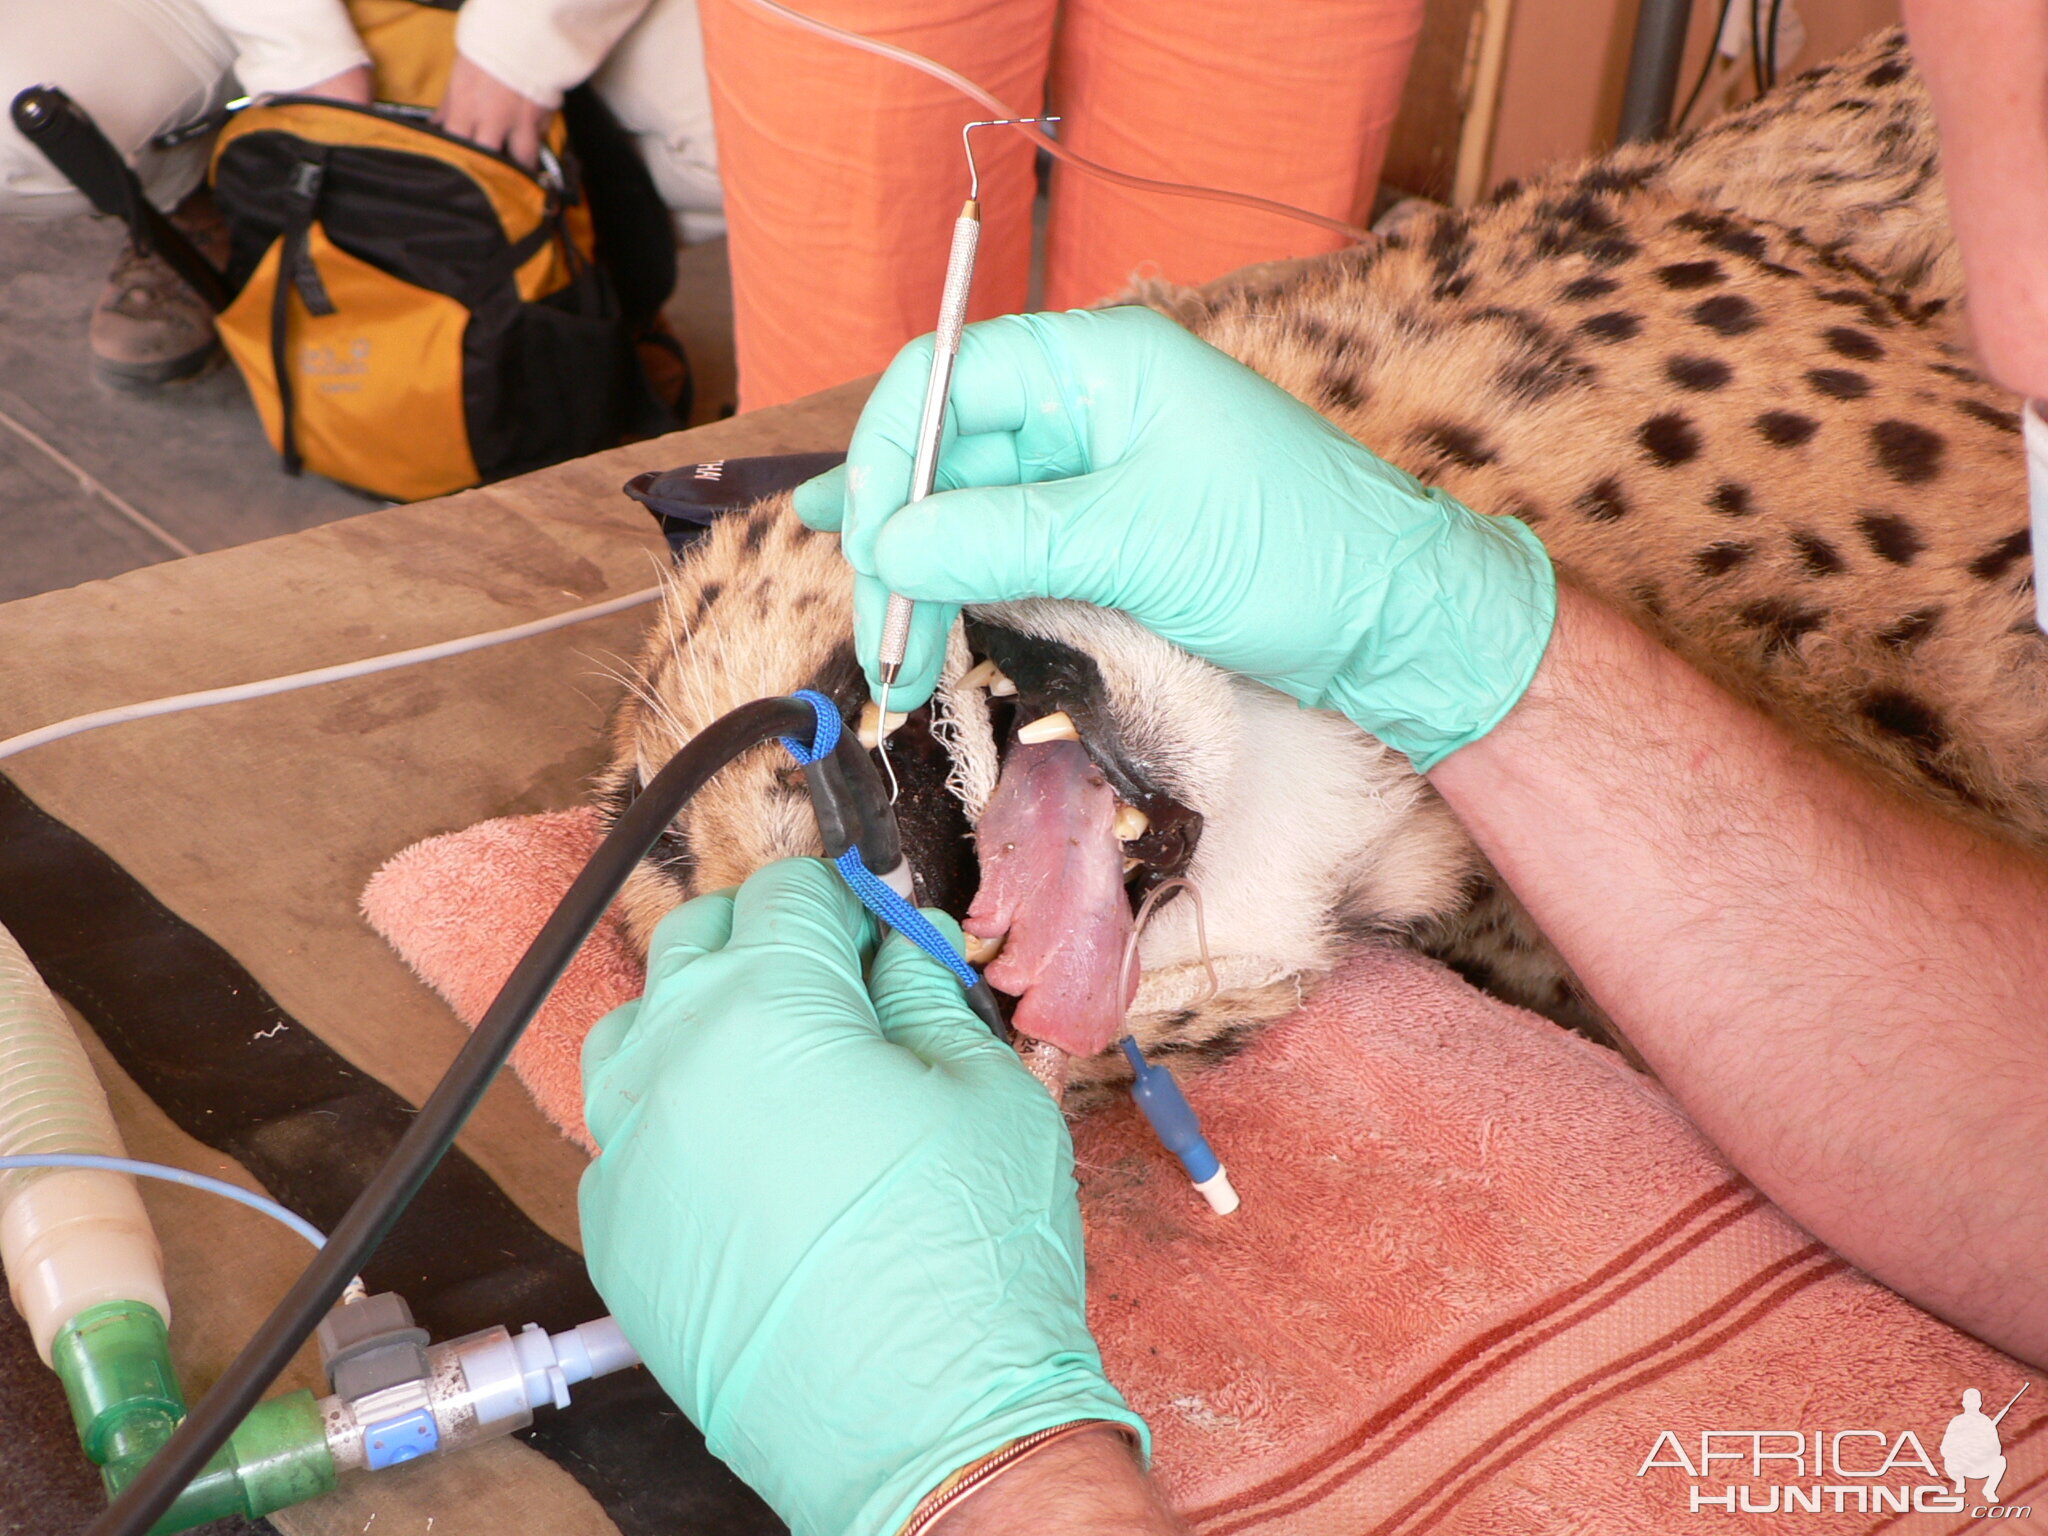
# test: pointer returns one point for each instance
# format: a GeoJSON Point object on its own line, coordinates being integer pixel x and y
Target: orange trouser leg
{"type": "Point", "coordinates": [1289, 99]}
{"type": "Point", "coordinates": [843, 175]}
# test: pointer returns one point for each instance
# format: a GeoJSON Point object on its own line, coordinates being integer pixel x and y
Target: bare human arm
{"type": "Point", "coordinates": [1086, 1485]}
{"type": "Point", "coordinates": [1848, 994]}
{"type": "Point", "coordinates": [1986, 66]}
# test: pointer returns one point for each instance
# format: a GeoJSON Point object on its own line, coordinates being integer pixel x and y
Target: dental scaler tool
{"type": "Point", "coordinates": [931, 425]}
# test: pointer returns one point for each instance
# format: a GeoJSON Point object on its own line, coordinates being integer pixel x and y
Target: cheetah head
{"type": "Point", "coordinates": [1298, 831]}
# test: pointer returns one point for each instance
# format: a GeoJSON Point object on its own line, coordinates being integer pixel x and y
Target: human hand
{"type": "Point", "coordinates": [834, 1214]}
{"type": "Point", "coordinates": [1110, 456]}
{"type": "Point", "coordinates": [350, 85]}
{"type": "Point", "coordinates": [485, 110]}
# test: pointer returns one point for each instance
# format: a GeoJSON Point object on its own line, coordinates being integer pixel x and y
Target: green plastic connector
{"type": "Point", "coordinates": [281, 1454]}
{"type": "Point", "coordinates": [115, 1363]}
{"type": "Point", "coordinates": [276, 1457]}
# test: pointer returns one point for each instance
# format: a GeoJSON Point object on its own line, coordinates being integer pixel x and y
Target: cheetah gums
{"type": "Point", "coordinates": [1720, 378]}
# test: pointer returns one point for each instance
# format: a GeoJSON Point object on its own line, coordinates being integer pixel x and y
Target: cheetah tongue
{"type": "Point", "coordinates": [1052, 874]}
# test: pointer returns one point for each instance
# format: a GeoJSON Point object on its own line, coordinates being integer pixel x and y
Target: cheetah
{"type": "Point", "coordinates": [1719, 378]}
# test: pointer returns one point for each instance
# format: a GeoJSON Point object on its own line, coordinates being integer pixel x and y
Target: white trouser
{"type": "Point", "coordinates": [140, 67]}
{"type": "Point", "coordinates": [144, 67]}
{"type": "Point", "coordinates": [654, 82]}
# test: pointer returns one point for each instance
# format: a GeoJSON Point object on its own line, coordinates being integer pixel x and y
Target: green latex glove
{"type": "Point", "coordinates": [836, 1217]}
{"type": "Point", "coordinates": [1109, 455]}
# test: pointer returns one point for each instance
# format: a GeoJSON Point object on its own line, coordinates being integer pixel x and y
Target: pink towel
{"type": "Point", "coordinates": [461, 909]}
{"type": "Point", "coordinates": [1485, 1280]}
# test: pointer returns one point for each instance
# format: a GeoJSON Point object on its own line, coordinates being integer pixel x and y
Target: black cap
{"type": "Point", "coordinates": [687, 501]}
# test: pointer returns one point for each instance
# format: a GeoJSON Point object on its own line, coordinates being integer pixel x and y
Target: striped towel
{"type": "Point", "coordinates": [1485, 1279]}
{"type": "Point", "coordinates": [1482, 1268]}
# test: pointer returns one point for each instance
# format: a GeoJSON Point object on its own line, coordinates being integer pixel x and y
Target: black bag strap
{"type": "Point", "coordinates": [504, 266]}
{"type": "Point", "coordinates": [295, 270]}
{"type": "Point", "coordinates": [636, 240]}
{"type": "Point", "coordinates": [72, 142]}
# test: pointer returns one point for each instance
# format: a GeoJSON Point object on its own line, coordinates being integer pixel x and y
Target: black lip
{"type": "Point", "coordinates": [937, 841]}
{"type": "Point", "coordinates": [1052, 676]}
{"type": "Point", "coordinates": [936, 838]}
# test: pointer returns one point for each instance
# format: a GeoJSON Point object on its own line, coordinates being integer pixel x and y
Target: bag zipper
{"type": "Point", "coordinates": [420, 120]}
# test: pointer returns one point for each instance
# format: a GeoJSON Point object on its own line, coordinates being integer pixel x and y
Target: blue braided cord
{"type": "Point", "coordinates": [902, 916]}
{"type": "Point", "coordinates": [877, 897]}
{"type": "Point", "coordinates": [828, 729]}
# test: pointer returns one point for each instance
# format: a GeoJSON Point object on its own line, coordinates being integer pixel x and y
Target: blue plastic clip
{"type": "Point", "coordinates": [1173, 1119]}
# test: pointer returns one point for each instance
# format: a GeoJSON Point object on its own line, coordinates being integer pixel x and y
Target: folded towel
{"type": "Point", "coordinates": [1485, 1279]}
{"type": "Point", "coordinates": [461, 909]}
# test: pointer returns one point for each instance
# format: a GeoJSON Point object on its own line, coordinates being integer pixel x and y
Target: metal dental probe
{"type": "Point", "coordinates": [931, 425]}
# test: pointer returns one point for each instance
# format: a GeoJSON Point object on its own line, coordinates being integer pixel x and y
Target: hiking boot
{"type": "Point", "coordinates": [149, 327]}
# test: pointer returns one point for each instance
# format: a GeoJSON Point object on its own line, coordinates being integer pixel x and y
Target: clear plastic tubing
{"type": "Point", "coordinates": [73, 1238]}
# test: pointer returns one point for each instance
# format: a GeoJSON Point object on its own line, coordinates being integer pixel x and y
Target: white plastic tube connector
{"type": "Point", "coordinates": [593, 1349]}
{"type": "Point", "coordinates": [70, 1238]}
{"type": "Point", "coordinates": [510, 1374]}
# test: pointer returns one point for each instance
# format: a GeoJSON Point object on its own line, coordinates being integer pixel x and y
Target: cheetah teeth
{"type": "Point", "coordinates": [1057, 726]}
{"type": "Point", "coordinates": [986, 674]}
{"type": "Point", "coordinates": [980, 951]}
{"type": "Point", "coordinates": [1130, 823]}
{"type": "Point", "coordinates": [871, 729]}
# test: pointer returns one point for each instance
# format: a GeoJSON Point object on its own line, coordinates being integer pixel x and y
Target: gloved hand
{"type": "Point", "coordinates": [836, 1217]}
{"type": "Point", "coordinates": [1109, 455]}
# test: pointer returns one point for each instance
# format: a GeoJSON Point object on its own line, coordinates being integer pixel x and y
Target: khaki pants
{"type": "Point", "coordinates": [144, 67]}
{"type": "Point", "coordinates": [140, 67]}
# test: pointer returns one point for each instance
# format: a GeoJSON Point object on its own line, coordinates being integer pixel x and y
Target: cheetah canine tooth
{"type": "Point", "coordinates": [980, 951]}
{"type": "Point", "coordinates": [984, 674]}
{"type": "Point", "coordinates": [1000, 686]}
{"type": "Point", "coordinates": [871, 730]}
{"type": "Point", "coordinates": [1130, 823]}
{"type": "Point", "coordinates": [1057, 726]}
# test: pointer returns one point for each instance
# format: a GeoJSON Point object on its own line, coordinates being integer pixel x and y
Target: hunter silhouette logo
{"type": "Point", "coordinates": [1970, 1446]}
{"type": "Point", "coordinates": [1864, 1471]}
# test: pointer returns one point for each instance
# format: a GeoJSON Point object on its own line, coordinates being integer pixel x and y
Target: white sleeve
{"type": "Point", "coordinates": [541, 48]}
{"type": "Point", "coordinates": [286, 45]}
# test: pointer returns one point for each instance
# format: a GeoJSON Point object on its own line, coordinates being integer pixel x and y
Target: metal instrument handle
{"type": "Point", "coordinates": [924, 471]}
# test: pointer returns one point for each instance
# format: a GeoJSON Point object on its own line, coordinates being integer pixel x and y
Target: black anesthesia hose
{"type": "Point", "coordinates": [852, 812]}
